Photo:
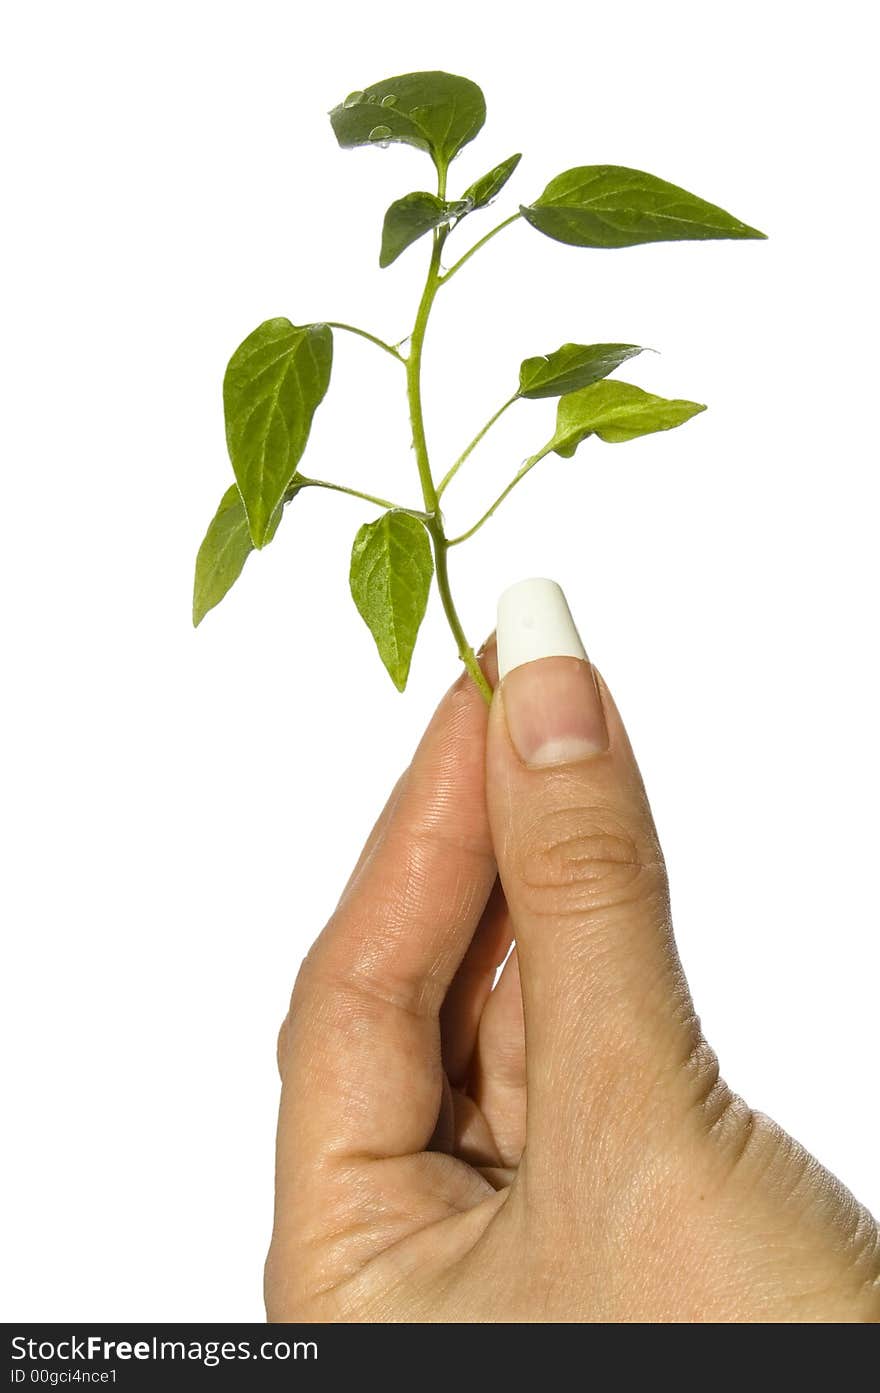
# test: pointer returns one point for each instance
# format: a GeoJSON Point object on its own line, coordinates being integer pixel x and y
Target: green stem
{"type": "Point", "coordinates": [432, 518]}
{"type": "Point", "coordinates": [476, 247]}
{"type": "Point", "coordinates": [441, 568]}
{"type": "Point", "coordinates": [451, 473]}
{"type": "Point", "coordinates": [529, 464]}
{"type": "Point", "coordinates": [414, 374]}
{"type": "Point", "coordinates": [303, 481]}
{"type": "Point", "coordinates": [371, 338]}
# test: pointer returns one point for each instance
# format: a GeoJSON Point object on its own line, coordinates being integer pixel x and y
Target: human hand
{"type": "Point", "coordinates": [413, 1184]}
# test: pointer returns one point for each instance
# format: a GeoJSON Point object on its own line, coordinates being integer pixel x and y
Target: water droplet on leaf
{"type": "Point", "coordinates": [389, 99]}
{"type": "Point", "coordinates": [380, 133]}
{"type": "Point", "coordinates": [458, 210]}
{"type": "Point", "coordinates": [353, 99]}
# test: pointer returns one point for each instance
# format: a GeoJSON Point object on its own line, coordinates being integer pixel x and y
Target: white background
{"type": "Point", "coordinates": [182, 808]}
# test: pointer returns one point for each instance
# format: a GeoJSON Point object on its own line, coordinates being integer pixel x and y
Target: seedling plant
{"type": "Point", "coordinates": [279, 375]}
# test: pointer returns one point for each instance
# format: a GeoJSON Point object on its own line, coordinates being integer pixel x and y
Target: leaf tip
{"type": "Point", "coordinates": [201, 606]}
{"type": "Point", "coordinates": [260, 531]}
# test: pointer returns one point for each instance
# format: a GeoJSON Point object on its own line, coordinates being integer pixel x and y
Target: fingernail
{"type": "Point", "coordinates": [551, 700]}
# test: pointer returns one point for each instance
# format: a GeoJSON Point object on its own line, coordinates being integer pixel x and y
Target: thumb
{"type": "Point", "coordinates": [606, 1007]}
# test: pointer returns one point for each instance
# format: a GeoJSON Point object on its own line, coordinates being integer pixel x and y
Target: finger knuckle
{"type": "Point", "coordinates": [582, 860]}
{"type": "Point", "coordinates": [281, 1044]}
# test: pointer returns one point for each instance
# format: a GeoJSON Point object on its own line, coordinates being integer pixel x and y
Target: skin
{"type": "Point", "coordinates": [413, 1184]}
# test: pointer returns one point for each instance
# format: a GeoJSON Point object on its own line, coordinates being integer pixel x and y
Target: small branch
{"type": "Point", "coordinates": [451, 473]}
{"type": "Point", "coordinates": [529, 464]}
{"type": "Point", "coordinates": [476, 247]}
{"type": "Point", "coordinates": [371, 338]}
{"type": "Point", "coordinates": [304, 482]}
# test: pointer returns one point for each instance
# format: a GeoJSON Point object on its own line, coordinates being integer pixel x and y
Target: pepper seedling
{"type": "Point", "coordinates": [279, 375]}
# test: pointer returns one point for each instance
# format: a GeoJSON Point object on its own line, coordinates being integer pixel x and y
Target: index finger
{"type": "Point", "coordinates": [361, 1061]}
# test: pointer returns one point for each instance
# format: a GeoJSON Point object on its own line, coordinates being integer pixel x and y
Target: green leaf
{"type": "Point", "coordinates": [615, 411]}
{"type": "Point", "coordinates": [605, 205]}
{"type": "Point", "coordinates": [572, 366]}
{"type": "Point", "coordinates": [226, 547]}
{"type": "Point", "coordinates": [410, 217]}
{"type": "Point", "coordinates": [274, 383]}
{"type": "Point", "coordinates": [390, 578]}
{"type": "Point", "coordinates": [483, 190]}
{"type": "Point", "coordinates": [434, 111]}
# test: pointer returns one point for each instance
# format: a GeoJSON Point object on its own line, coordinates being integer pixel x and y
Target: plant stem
{"type": "Point", "coordinates": [432, 518]}
{"type": "Point", "coordinates": [363, 334]}
{"type": "Point", "coordinates": [304, 482]}
{"type": "Point", "coordinates": [529, 464]}
{"type": "Point", "coordinates": [465, 652]}
{"type": "Point", "coordinates": [414, 373]}
{"type": "Point", "coordinates": [451, 473]}
{"type": "Point", "coordinates": [476, 247]}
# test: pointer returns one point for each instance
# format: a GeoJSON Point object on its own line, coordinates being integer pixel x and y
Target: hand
{"type": "Point", "coordinates": [413, 1183]}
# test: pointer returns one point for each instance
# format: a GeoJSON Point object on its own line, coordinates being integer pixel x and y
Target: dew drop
{"type": "Point", "coordinates": [353, 99]}
{"type": "Point", "coordinates": [389, 99]}
{"type": "Point", "coordinates": [380, 133]}
{"type": "Point", "coordinates": [459, 209]}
